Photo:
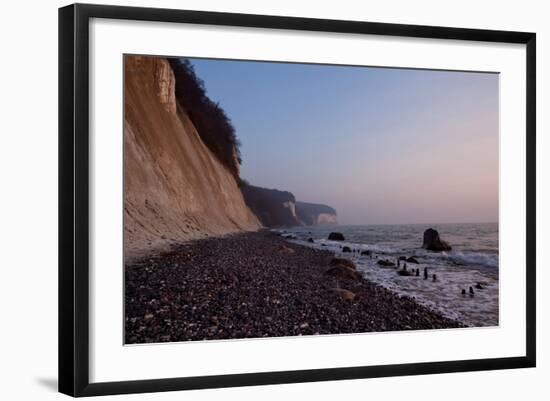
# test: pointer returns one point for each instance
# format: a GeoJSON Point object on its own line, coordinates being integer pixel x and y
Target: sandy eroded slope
{"type": "Point", "coordinates": [175, 189]}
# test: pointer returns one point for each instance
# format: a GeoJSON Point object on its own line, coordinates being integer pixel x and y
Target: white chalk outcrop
{"type": "Point", "coordinates": [175, 188]}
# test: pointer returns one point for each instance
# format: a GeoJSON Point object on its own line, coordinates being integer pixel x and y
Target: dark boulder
{"type": "Point", "coordinates": [412, 259]}
{"type": "Point", "coordinates": [366, 253]}
{"type": "Point", "coordinates": [334, 236]}
{"type": "Point", "coordinates": [432, 242]}
{"type": "Point", "coordinates": [310, 240]}
{"type": "Point", "coordinates": [385, 263]}
{"type": "Point", "coordinates": [346, 249]}
{"type": "Point", "coordinates": [404, 272]}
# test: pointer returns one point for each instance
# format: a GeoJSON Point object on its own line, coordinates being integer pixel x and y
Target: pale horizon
{"type": "Point", "coordinates": [379, 145]}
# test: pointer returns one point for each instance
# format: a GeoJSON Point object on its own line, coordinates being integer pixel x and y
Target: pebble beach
{"type": "Point", "coordinates": [253, 285]}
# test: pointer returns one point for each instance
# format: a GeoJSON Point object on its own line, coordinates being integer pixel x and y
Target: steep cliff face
{"type": "Point", "coordinates": [312, 214]}
{"type": "Point", "coordinates": [273, 208]}
{"type": "Point", "coordinates": [276, 208]}
{"type": "Point", "coordinates": [175, 188]}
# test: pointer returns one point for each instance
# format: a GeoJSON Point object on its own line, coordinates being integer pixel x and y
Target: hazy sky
{"type": "Point", "coordinates": [379, 145]}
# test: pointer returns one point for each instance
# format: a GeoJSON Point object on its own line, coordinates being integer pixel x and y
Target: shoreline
{"type": "Point", "coordinates": [467, 286]}
{"type": "Point", "coordinates": [257, 284]}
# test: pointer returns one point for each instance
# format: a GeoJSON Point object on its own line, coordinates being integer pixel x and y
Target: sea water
{"type": "Point", "coordinates": [473, 260]}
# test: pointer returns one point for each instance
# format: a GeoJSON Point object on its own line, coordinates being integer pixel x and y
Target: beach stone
{"type": "Point", "coordinates": [346, 295]}
{"type": "Point", "coordinates": [285, 249]}
{"type": "Point", "coordinates": [343, 262]}
{"type": "Point", "coordinates": [412, 259]}
{"type": "Point", "coordinates": [310, 240]}
{"type": "Point", "coordinates": [241, 286]}
{"type": "Point", "coordinates": [433, 242]}
{"type": "Point", "coordinates": [336, 236]}
{"type": "Point", "coordinates": [366, 253]}
{"type": "Point", "coordinates": [385, 263]}
{"type": "Point", "coordinates": [343, 272]}
{"type": "Point", "coordinates": [479, 286]}
{"type": "Point", "coordinates": [346, 249]}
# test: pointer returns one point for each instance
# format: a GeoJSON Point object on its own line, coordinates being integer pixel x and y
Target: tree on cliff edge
{"type": "Point", "coordinates": [213, 125]}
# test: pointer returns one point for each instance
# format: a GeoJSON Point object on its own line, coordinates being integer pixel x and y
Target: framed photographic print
{"type": "Point", "coordinates": [249, 199]}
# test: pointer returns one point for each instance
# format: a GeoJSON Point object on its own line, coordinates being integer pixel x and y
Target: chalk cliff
{"type": "Point", "coordinates": [275, 208]}
{"type": "Point", "coordinates": [175, 188]}
{"type": "Point", "coordinates": [312, 214]}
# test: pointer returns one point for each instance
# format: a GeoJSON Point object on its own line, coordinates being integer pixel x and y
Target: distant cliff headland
{"type": "Point", "coordinates": [276, 208]}
{"type": "Point", "coordinates": [182, 165]}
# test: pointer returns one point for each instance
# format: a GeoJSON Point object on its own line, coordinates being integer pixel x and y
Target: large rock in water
{"type": "Point", "coordinates": [432, 242]}
{"type": "Point", "coordinates": [334, 236]}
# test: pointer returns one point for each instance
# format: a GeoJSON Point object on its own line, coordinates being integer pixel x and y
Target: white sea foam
{"type": "Point", "coordinates": [472, 258]}
{"type": "Point", "coordinates": [473, 261]}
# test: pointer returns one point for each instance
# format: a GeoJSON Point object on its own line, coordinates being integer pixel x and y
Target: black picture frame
{"type": "Point", "coordinates": [74, 198]}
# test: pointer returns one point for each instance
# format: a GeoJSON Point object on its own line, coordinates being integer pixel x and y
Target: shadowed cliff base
{"type": "Point", "coordinates": [258, 285]}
